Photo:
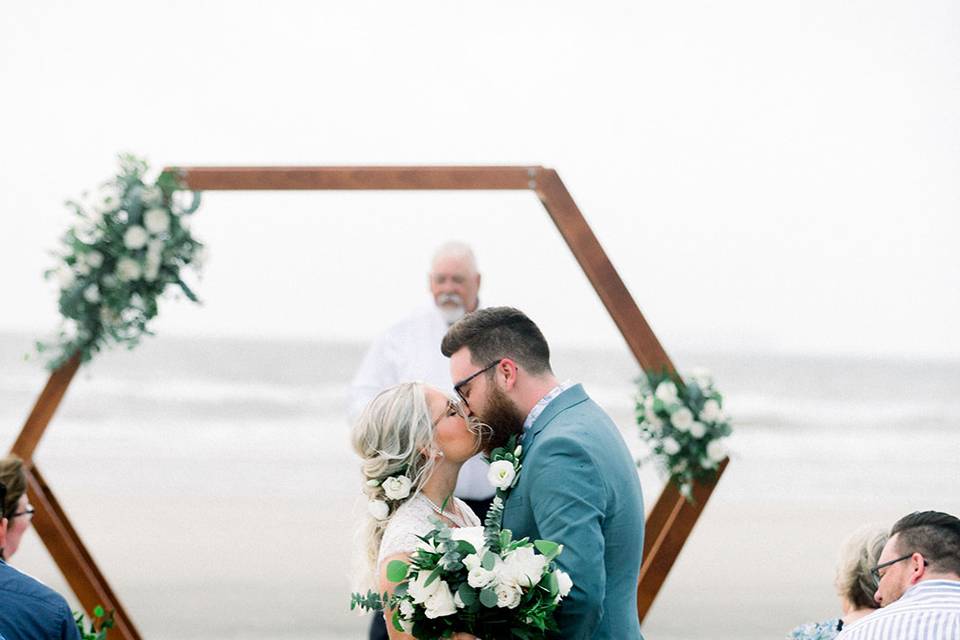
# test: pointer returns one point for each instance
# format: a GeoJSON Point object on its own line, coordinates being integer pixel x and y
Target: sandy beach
{"type": "Point", "coordinates": [214, 484]}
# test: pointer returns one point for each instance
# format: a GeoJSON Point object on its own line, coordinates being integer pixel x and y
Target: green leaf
{"type": "Point", "coordinates": [396, 621]}
{"type": "Point", "coordinates": [488, 598]}
{"type": "Point", "coordinates": [547, 548]}
{"type": "Point", "coordinates": [397, 570]}
{"type": "Point", "coordinates": [433, 576]}
{"type": "Point", "coordinates": [489, 561]}
{"type": "Point", "coordinates": [467, 594]}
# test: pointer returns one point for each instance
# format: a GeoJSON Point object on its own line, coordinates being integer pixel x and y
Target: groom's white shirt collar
{"type": "Point", "coordinates": [544, 401]}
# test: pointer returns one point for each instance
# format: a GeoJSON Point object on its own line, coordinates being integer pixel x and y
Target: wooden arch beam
{"type": "Point", "coordinates": [672, 518]}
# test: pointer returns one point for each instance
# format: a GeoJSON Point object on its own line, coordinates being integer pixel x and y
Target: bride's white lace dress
{"type": "Point", "coordinates": [412, 519]}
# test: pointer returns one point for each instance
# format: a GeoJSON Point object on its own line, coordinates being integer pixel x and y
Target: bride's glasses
{"type": "Point", "coordinates": [453, 408]}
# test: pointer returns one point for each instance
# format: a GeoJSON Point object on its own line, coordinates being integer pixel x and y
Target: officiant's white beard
{"type": "Point", "coordinates": [451, 307]}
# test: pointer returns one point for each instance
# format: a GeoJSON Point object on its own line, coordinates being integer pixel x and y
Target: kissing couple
{"type": "Point", "coordinates": [578, 486]}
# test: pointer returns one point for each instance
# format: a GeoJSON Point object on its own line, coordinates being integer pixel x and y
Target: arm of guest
{"type": "Point", "coordinates": [567, 499]}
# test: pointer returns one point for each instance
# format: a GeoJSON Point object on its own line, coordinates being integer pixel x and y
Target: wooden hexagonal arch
{"type": "Point", "coordinates": [668, 524]}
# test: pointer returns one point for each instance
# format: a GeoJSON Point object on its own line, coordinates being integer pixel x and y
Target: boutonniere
{"type": "Point", "coordinates": [504, 473]}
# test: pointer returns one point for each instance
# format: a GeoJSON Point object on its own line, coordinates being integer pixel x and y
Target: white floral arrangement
{"type": "Point", "coordinates": [475, 579]}
{"type": "Point", "coordinates": [130, 242]}
{"type": "Point", "coordinates": [684, 425]}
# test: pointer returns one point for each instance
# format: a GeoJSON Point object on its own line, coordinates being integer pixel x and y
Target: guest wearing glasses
{"type": "Point", "coordinates": [855, 583]}
{"type": "Point", "coordinates": [28, 608]}
{"type": "Point", "coordinates": [918, 582]}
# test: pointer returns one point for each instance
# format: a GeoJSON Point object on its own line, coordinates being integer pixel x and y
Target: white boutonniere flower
{"type": "Point", "coordinates": [501, 474]}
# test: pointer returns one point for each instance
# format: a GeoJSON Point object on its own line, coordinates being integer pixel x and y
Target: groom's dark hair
{"type": "Point", "coordinates": [499, 332]}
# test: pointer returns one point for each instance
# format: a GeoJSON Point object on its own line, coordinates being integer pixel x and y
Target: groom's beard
{"type": "Point", "coordinates": [503, 419]}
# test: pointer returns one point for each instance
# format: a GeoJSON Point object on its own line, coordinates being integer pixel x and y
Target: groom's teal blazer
{"type": "Point", "coordinates": [579, 487]}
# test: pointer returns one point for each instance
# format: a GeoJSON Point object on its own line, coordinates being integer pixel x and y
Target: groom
{"type": "Point", "coordinates": [578, 485]}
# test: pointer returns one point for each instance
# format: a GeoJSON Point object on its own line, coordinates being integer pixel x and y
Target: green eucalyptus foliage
{"type": "Point", "coordinates": [98, 626]}
{"type": "Point", "coordinates": [130, 243]}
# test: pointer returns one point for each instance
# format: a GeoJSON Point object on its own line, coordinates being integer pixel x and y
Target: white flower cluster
{"type": "Point", "coordinates": [686, 427]}
{"type": "Point", "coordinates": [128, 244]}
{"type": "Point", "coordinates": [512, 574]}
{"type": "Point", "coordinates": [394, 488]}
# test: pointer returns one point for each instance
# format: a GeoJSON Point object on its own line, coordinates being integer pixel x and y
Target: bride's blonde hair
{"type": "Point", "coordinates": [394, 434]}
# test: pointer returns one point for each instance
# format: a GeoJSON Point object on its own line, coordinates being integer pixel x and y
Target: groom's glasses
{"type": "Point", "coordinates": [463, 383]}
{"type": "Point", "coordinates": [876, 570]}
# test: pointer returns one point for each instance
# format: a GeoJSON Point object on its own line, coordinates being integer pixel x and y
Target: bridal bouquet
{"type": "Point", "coordinates": [476, 579]}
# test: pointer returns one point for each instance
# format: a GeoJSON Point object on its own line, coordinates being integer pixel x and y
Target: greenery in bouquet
{"type": "Point", "coordinates": [130, 241]}
{"type": "Point", "coordinates": [684, 425]}
{"type": "Point", "coordinates": [454, 582]}
{"type": "Point", "coordinates": [98, 626]}
{"type": "Point", "coordinates": [476, 579]}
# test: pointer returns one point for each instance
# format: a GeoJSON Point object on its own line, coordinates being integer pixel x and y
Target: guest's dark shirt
{"type": "Point", "coordinates": [30, 610]}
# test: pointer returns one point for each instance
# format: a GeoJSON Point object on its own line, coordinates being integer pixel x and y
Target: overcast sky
{"type": "Point", "coordinates": [764, 175]}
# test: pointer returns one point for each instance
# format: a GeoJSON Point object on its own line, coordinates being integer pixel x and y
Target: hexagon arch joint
{"type": "Point", "coordinates": [669, 523]}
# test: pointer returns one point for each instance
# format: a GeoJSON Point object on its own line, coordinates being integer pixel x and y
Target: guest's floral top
{"type": "Point", "coordinates": [826, 630]}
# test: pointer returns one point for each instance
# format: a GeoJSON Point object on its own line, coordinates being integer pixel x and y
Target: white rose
{"type": "Point", "coordinates": [667, 392]}
{"type": "Point", "coordinates": [698, 430]}
{"type": "Point", "coordinates": [441, 602]}
{"type": "Point", "coordinates": [508, 597]}
{"type": "Point", "coordinates": [82, 268]}
{"type": "Point", "coordinates": [94, 259]}
{"type": "Point", "coordinates": [397, 487]}
{"type": "Point", "coordinates": [501, 474]}
{"type": "Point", "coordinates": [682, 419]}
{"type": "Point", "coordinates": [473, 535]}
{"type": "Point", "coordinates": [109, 281]}
{"type": "Point", "coordinates": [711, 411]}
{"type": "Point", "coordinates": [716, 451]}
{"type": "Point", "coordinates": [65, 277]}
{"type": "Point", "coordinates": [522, 568]}
{"type": "Point", "coordinates": [471, 561]}
{"type": "Point", "coordinates": [135, 237]}
{"type": "Point", "coordinates": [406, 609]}
{"type": "Point", "coordinates": [92, 294]}
{"type": "Point", "coordinates": [564, 583]}
{"type": "Point", "coordinates": [378, 509]}
{"type": "Point", "coordinates": [156, 220]}
{"type": "Point", "coordinates": [419, 591]}
{"type": "Point", "coordinates": [478, 577]}
{"type": "Point", "coordinates": [670, 446]}
{"type": "Point", "coordinates": [151, 195]}
{"type": "Point", "coordinates": [128, 269]}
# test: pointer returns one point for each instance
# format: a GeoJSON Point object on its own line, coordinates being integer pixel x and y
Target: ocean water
{"type": "Point", "coordinates": [213, 480]}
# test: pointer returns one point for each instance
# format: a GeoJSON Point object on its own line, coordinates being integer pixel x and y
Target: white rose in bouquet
{"type": "Point", "coordinates": [440, 603]}
{"type": "Point", "coordinates": [128, 269]}
{"type": "Point", "coordinates": [670, 446]}
{"type": "Point", "coordinates": [471, 561]}
{"type": "Point", "coordinates": [473, 535]}
{"type": "Point", "coordinates": [478, 578]}
{"type": "Point", "coordinates": [501, 474]}
{"type": "Point", "coordinates": [522, 568]}
{"type": "Point", "coordinates": [716, 451]}
{"type": "Point", "coordinates": [397, 487]}
{"type": "Point", "coordinates": [564, 583]}
{"type": "Point", "coordinates": [418, 589]}
{"type": "Point", "coordinates": [508, 597]}
{"type": "Point", "coordinates": [682, 419]}
{"type": "Point", "coordinates": [94, 259]}
{"type": "Point", "coordinates": [711, 411]}
{"type": "Point", "coordinates": [156, 220]}
{"type": "Point", "coordinates": [698, 430]}
{"type": "Point", "coordinates": [151, 195]}
{"type": "Point", "coordinates": [667, 392]}
{"type": "Point", "coordinates": [135, 237]}
{"type": "Point", "coordinates": [92, 294]}
{"type": "Point", "coordinates": [65, 277]}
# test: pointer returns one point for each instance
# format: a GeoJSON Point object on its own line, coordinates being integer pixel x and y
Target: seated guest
{"type": "Point", "coordinates": [28, 609]}
{"type": "Point", "coordinates": [855, 584]}
{"type": "Point", "coordinates": [919, 582]}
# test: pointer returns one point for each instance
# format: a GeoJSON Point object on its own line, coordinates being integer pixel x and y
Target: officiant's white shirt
{"type": "Point", "coordinates": [410, 351]}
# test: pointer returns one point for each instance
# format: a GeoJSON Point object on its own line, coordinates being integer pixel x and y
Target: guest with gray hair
{"type": "Point", "coordinates": [854, 582]}
{"type": "Point", "coordinates": [918, 582]}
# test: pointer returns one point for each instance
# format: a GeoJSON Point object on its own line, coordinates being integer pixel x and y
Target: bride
{"type": "Point", "coordinates": [412, 440]}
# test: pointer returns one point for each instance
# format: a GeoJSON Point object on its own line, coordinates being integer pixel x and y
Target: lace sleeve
{"type": "Point", "coordinates": [412, 519]}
